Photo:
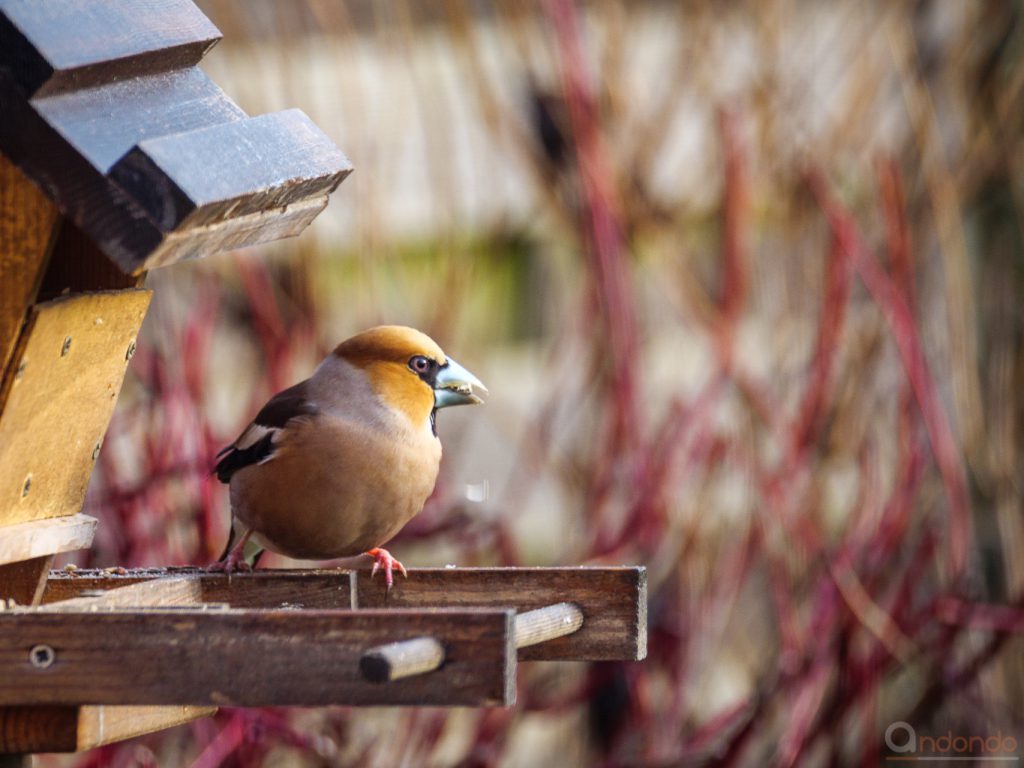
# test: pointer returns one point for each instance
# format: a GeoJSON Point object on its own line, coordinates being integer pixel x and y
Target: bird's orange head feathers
{"type": "Point", "coordinates": [399, 363]}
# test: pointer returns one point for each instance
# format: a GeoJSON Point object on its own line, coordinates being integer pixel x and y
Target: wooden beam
{"type": "Point", "coordinates": [63, 44]}
{"type": "Point", "coordinates": [324, 589]}
{"type": "Point", "coordinates": [25, 541]}
{"type": "Point", "coordinates": [148, 108]}
{"type": "Point", "coordinates": [75, 729]}
{"type": "Point", "coordinates": [248, 657]}
{"type": "Point", "coordinates": [613, 602]}
{"type": "Point", "coordinates": [27, 225]}
{"type": "Point", "coordinates": [59, 401]}
{"type": "Point", "coordinates": [177, 171]}
{"type": "Point", "coordinates": [23, 582]}
{"type": "Point", "coordinates": [234, 169]}
{"type": "Point", "coordinates": [154, 593]}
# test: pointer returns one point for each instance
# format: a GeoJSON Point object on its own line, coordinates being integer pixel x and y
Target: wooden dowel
{"type": "Point", "coordinates": [402, 659]}
{"type": "Point", "coordinates": [547, 623]}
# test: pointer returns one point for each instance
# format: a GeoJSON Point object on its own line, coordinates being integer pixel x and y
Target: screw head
{"type": "Point", "coordinates": [96, 450]}
{"type": "Point", "coordinates": [130, 352]}
{"type": "Point", "coordinates": [42, 656]}
{"type": "Point", "coordinates": [66, 347]}
{"type": "Point", "coordinates": [21, 370]}
{"type": "Point", "coordinates": [25, 488]}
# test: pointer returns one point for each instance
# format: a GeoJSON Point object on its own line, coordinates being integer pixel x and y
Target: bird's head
{"type": "Point", "coordinates": [409, 371]}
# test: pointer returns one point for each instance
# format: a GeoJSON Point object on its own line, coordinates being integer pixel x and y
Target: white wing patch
{"type": "Point", "coordinates": [252, 435]}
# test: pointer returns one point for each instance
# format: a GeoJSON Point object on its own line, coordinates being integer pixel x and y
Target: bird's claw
{"type": "Point", "coordinates": [382, 559]}
{"type": "Point", "coordinates": [229, 565]}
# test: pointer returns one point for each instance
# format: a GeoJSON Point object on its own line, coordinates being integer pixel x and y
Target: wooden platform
{"type": "Point", "coordinates": [176, 643]}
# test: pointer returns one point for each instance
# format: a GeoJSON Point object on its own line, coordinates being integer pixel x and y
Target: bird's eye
{"type": "Point", "coordinates": [420, 364]}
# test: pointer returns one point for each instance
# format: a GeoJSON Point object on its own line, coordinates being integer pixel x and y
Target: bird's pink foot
{"type": "Point", "coordinates": [383, 559]}
{"type": "Point", "coordinates": [230, 564]}
{"type": "Point", "coordinates": [234, 560]}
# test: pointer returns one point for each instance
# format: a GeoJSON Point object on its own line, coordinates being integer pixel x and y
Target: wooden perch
{"type": "Point", "coordinates": [543, 624]}
{"type": "Point", "coordinates": [148, 636]}
{"type": "Point", "coordinates": [612, 601]}
{"type": "Point", "coordinates": [404, 659]}
{"type": "Point", "coordinates": [424, 654]}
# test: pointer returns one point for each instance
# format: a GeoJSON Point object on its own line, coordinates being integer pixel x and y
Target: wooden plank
{"type": "Point", "coordinates": [65, 144]}
{"type": "Point", "coordinates": [59, 404]}
{"type": "Point", "coordinates": [153, 593]}
{"type": "Point", "coordinates": [27, 222]}
{"type": "Point", "coordinates": [248, 657]}
{"type": "Point", "coordinates": [324, 589]}
{"type": "Point", "coordinates": [23, 582]}
{"type": "Point", "coordinates": [71, 729]}
{"type": "Point", "coordinates": [78, 189]}
{"type": "Point", "coordinates": [262, 227]}
{"type": "Point", "coordinates": [613, 602]}
{"type": "Point", "coordinates": [36, 538]}
{"type": "Point", "coordinates": [234, 169]}
{"type": "Point", "coordinates": [104, 123]}
{"type": "Point", "coordinates": [63, 44]}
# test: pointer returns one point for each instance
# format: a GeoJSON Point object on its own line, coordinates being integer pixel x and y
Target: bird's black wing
{"type": "Point", "coordinates": [256, 443]}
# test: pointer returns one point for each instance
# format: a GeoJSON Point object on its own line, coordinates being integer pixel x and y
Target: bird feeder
{"type": "Point", "coordinates": [118, 155]}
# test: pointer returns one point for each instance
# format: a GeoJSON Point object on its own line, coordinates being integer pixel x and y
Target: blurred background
{"type": "Point", "coordinates": [744, 281]}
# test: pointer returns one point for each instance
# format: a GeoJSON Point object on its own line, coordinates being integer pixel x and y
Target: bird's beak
{"type": "Point", "coordinates": [454, 386]}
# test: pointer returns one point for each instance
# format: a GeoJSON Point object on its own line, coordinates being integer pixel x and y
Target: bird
{"type": "Point", "coordinates": [337, 464]}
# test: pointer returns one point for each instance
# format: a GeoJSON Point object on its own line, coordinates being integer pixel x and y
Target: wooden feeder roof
{"type": "Point", "coordinates": [105, 109]}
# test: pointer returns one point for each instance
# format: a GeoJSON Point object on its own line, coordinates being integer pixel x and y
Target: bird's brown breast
{"type": "Point", "coordinates": [336, 487]}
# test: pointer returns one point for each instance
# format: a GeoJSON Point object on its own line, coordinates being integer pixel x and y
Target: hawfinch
{"type": "Point", "coordinates": [337, 464]}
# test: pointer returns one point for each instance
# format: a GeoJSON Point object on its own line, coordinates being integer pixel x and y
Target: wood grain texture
{"type": "Point", "coordinates": [71, 729]}
{"type": "Point", "coordinates": [325, 589]}
{"type": "Point", "coordinates": [35, 538]}
{"type": "Point", "coordinates": [153, 593]}
{"type": "Point", "coordinates": [59, 404]}
{"type": "Point", "coordinates": [543, 624]}
{"type": "Point", "coordinates": [250, 657]}
{"type": "Point", "coordinates": [262, 227]}
{"type": "Point", "coordinates": [234, 169]}
{"type": "Point", "coordinates": [104, 123]}
{"type": "Point", "coordinates": [27, 223]}
{"type": "Point", "coordinates": [160, 165]}
{"type": "Point", "coordinates": [38, 729]}
{"type": "Point", "coordinates": [613, 602]}
{"type": "Point", "coordinates": [62, 44]}
{"type": "Point", "coordinates": [24, 582]}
